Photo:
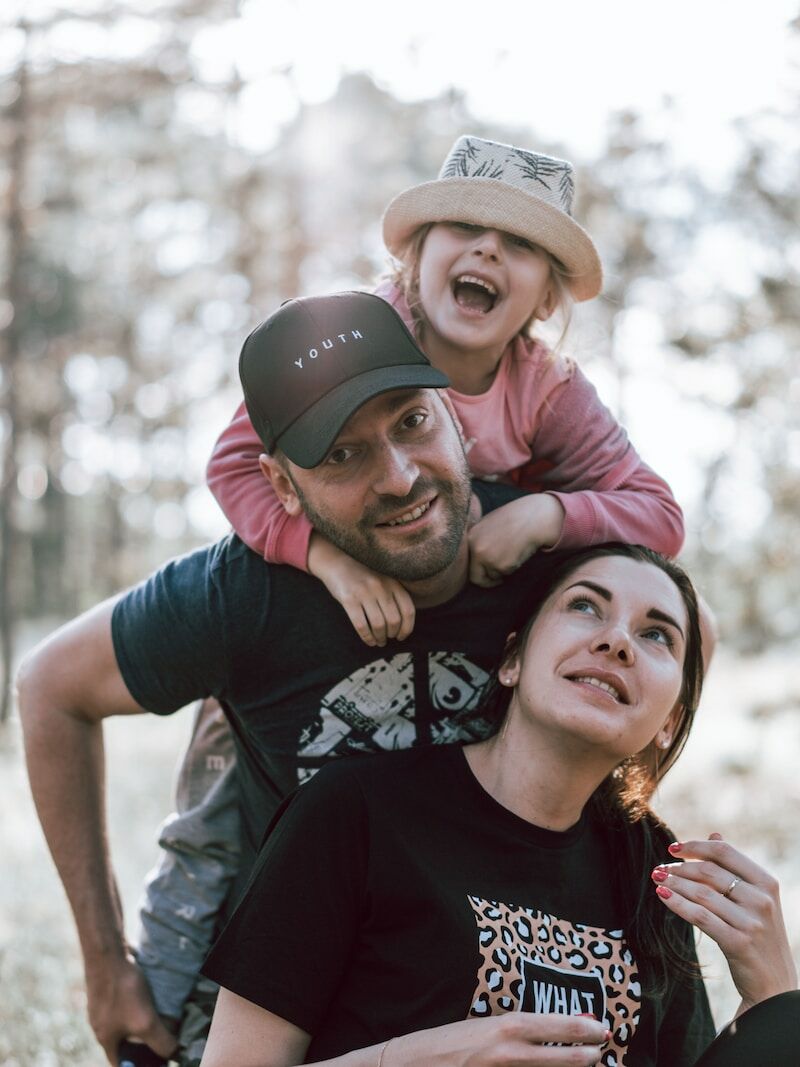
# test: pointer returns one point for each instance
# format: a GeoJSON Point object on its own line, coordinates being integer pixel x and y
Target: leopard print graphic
{"type": "Point", "coordinates": [531, 961]}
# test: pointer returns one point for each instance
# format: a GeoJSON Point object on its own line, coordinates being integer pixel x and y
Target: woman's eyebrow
{"type": "Point", "coordinates": [662, 616]}
{"type": "Point", "coordinates": [604, 593]}
{"type": "Point", "coordinates": [653, 613]}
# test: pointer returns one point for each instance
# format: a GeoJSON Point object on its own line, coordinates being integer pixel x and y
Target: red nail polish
{"type": "Point", "coordinates": [608, 1035]}
{"type": "Point", "coordinates": [659, 875]}
{"type": "Point", "coordinates": [676, 846]}
{"type": "Point", "coordinates": [663, 892]}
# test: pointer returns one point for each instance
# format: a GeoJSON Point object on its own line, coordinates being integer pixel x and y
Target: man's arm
{"type": "Point", "coordinates": [67, 686]}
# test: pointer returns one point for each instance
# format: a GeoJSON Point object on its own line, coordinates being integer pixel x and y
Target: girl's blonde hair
{"type": "Point", "coordinates": [405, 275]}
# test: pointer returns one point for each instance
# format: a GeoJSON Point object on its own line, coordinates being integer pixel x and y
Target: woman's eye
{"type": "Point", "coordinates": [583, 604]}
{"type": "Point", "coordinates": [659, 635]}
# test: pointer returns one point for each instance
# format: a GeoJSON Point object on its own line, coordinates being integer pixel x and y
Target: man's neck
{"type": "Point", "coordinates": [428, 592]}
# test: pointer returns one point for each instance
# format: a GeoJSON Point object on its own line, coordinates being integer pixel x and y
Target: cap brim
{"type": "Point", "coordinates": [492, 203]}
{"type": "Point", "coordinates": [310, 437]}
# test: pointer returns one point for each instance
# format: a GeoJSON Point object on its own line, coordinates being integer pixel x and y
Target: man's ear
{"type": "Point", "coordinates": [277, 475]}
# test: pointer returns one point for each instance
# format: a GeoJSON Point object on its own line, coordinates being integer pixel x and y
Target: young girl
{"type": "Point", "coordinates": [507, 901]}
{"type": "Point", "coordinates": [484, 252]}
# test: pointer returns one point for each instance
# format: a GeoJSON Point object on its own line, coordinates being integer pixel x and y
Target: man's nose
{"type": "Point", "coordinates": [397, 472]}
{"type": "Point", "coordinates": [615, 641]}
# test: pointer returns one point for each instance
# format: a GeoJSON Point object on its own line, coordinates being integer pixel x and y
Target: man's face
{"type": "Point", "coordinates": [393, 492]}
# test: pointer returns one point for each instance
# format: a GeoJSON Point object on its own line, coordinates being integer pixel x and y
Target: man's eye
{"type": "Point", "coordinates": [414, 419]}
{"type": "Point", "coordinates": [338, 456]}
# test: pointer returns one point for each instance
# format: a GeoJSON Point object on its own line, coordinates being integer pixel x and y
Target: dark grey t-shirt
{"type": "Point", "coordinates": [298, 685]}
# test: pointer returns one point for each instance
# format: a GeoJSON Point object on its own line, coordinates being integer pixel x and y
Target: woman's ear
{"type": "Point", "coordinates": [277, 475]}
{"type": "Point", "coordinates": [663, 738]}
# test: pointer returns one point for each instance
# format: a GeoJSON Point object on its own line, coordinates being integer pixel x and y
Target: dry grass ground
{"type": "Point", "coordinates": [739, 776]}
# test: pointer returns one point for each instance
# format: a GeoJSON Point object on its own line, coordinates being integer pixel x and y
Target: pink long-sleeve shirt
{"type": "Point", "coordinates": [540, 424]}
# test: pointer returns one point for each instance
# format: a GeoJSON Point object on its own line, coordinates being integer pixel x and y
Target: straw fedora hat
{"type": "Point", "coordinates": [503, 188]}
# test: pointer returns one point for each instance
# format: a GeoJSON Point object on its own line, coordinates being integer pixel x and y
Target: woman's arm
{"type": "Point", "coordinates": [245, 1035]}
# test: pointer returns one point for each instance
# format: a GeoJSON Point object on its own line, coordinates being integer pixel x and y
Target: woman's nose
{"type": "Point", "coordinates": [616, 642]}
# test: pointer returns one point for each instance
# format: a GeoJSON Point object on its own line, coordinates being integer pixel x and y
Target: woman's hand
{"type": "Point", "coordinates": [502, 540]}
{"type": "Point", "coordinates": [379, 608]}
{"type": "Point", "coordinates": [519, 1039]}
{"type": "Point", "coordinates": [737, 903]}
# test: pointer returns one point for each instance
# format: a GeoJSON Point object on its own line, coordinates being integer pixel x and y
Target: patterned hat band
{"type": "Point", "coordinates": [506, 188]}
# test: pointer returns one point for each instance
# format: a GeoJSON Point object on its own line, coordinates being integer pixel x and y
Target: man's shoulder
{"type": "Point", "coordinates": [494, 495]}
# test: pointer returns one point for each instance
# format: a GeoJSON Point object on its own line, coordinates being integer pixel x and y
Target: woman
{"type": "Point", "coordinates": [513, 901]}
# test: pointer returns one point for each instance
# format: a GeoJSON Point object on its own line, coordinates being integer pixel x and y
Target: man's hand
{"type": "Point", "coordinates": [120, 1006]}
{"type": "Point", "coordinates": [502, 540]}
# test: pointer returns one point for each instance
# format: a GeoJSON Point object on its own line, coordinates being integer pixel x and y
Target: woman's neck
{"type": "Point", "coordinates": [546, 784]}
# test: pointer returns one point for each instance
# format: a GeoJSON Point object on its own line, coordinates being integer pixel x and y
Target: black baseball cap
{"type": "Point", "coordinates": [308, 367]}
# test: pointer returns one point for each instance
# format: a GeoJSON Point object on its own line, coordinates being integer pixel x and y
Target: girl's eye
{"type": "Point", "coordinates": [520, 242]}
{"type": "Point", "coordinates": [660, 635]}
{"type": "Point", "coordinates": [466, 227]}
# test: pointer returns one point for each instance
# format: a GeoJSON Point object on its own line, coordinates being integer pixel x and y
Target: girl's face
{"type": "Point", "coordinates": [478, 287]}
{"type": "Point", "coordinates": [603, 663]}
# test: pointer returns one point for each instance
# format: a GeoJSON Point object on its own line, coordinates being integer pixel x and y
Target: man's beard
{"type": "Point", "coordinates": [414, 562]}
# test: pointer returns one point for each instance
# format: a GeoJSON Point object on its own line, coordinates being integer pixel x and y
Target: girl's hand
{"type": "Point", "coordinates": [502, 540]}
{"type": "Point", "coordinates": [379, 608]}
{"type": "Point", "coordinates": [735, 902]}
{"type": "Point", "coordinates": [519, 1039]}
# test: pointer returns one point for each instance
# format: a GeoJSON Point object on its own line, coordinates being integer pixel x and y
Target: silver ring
{"type": "Point", "coordinates": [731, 887]}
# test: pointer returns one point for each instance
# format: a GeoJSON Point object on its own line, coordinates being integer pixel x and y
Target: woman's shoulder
{"type": "Point", "coordinates": [383, 771]}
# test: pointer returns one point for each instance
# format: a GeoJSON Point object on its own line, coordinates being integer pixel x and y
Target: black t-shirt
{"type": "Point", "coordinates": [298, 685]}
{"type": "Point", "coordinates": [394, 894]}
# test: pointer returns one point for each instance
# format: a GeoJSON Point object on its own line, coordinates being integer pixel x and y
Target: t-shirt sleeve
{"type": "Point", "coordinates": [291, 937]}
{"type": "Point", "coordinates": [168, 638]}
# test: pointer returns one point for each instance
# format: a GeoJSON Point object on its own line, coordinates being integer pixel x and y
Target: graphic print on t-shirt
{"type": "Point", "coordinates": [532, 961]}
{"type": "Point", "coordinates": [378, 707]}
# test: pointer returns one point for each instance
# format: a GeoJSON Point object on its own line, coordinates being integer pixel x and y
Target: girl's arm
{"type": "Point", "coordinates": [249, 501]}
{"type": "Point", "coordinates": [245, 1035]}
{"type": "Point", "coordinates": [596, 488]}
{"type": "Point", "coordinates": [378, 607]}
{"type": "Point", "coordinates": [607, 492]}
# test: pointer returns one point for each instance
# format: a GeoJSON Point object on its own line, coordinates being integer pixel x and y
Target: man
{"type": "Point", "coordinates": [357, 436]}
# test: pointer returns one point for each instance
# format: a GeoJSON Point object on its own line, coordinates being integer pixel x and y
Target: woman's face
{"type": "Point", "coordinates": [603, 662]}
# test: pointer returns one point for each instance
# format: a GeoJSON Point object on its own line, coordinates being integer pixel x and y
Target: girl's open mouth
{"type": "Point", "coordinates": [474, 294]}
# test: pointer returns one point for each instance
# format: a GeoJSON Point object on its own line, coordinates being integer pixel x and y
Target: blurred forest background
{"type": "Point", "coordinates": [141, 241]}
